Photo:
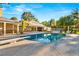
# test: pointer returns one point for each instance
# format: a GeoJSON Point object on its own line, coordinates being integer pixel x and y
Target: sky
{"type": "Point", "coordinates": [42, 11]}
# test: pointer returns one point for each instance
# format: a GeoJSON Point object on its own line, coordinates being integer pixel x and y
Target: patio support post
{"type": "Point", "coordinates": [13, 30]}
{"type": "Point", "coordinates": [42, 29]}
{"type": "Point", "coordinates": [36, 28]}
{"type": "Point", "coordinates": [17, 28]}
{"type": "Point", "coordinates": [4, 28]}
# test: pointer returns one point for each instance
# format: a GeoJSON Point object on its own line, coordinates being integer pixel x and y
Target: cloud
{"type": "Point", "coordinates": [21, 8]}
{"type": "Point", "coordinates": [16, 10]}
{"type": "Point", "coordinates": [4, 8]}
{"type": "Point", "coordinates": [25, 7]}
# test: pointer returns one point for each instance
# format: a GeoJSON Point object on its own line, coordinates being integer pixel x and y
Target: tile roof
{"type": "Point", "coordinates": [34, 23]}
{"type": "Point", "coordinates": [2, 19]}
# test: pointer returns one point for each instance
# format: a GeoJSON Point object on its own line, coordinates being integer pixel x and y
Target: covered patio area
{"type": "Point", "coordinates": [8, 26]}
{"type": "Point", "coordinates": [35, 26]}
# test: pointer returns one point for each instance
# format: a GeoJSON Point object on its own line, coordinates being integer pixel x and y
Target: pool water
{"type": "Point", "coordinates": [45, 37]}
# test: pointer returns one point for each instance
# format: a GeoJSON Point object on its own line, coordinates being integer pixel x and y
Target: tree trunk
{"type": "Point", "coordinates": [68, 30]}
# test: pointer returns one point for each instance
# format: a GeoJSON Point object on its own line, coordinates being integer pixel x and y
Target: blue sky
{"type": "Point", "coordinates": [42, 11]}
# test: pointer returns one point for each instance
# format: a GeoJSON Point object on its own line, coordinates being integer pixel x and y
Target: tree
{"type": "Point", "coordinates": [34, 19]}
{"type": "Point", "coordinates": [69, 22]}
{"type": "Point", "coordinates": [27, 16]}
{"type": "Point", "coordinates": [75, 14]}
{"type": "Point", "coordinates": [61, 22]}
{"type": "Point", "coordinates": [66, 22]}
{"type": "Point", "coordinates": [45, 23]}
{"type": "Point", "coordinates": [13, 18]}
{"type": "Point", "coordinates": [24, 25]}
{"type": "Point", "coordinates": [52, 23]}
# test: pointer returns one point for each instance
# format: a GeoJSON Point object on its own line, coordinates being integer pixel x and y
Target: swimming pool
{"type": "Point", "coordinates": [45, 37]}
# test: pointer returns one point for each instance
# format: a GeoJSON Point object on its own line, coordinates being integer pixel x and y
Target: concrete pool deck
{"type": "Point", "coordinates": [22, 42]}
{"type": "Point", "coordinates": [65, 47]}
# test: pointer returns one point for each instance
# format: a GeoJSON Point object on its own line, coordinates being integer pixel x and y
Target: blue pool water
{"type": "Point", "coordinates": [45, 37]}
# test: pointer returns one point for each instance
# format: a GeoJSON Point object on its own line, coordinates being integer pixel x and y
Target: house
{"type": "Point", "coordinates": [8, 26]}
{"type": "Point", "coordinates": [36, 26]}
{"type": "Point", "coordinates": [33, 26]}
